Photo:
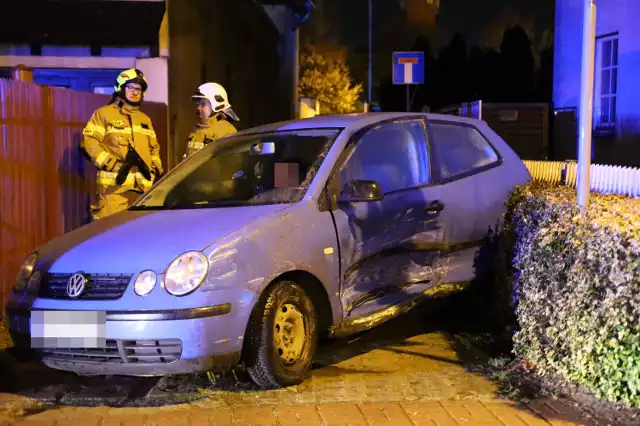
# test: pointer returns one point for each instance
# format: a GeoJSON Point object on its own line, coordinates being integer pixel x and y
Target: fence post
{"type": "Point", "coordinates": [22, 73]}
{"type": "Point", "coordinates": [563, 176]}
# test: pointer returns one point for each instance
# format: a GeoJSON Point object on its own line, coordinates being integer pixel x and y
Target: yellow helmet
{"type": "Point", "coordinates": [131, 75]}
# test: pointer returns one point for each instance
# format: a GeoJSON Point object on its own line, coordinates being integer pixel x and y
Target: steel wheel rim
{"type": "Point", "coordinates": [289, 333]}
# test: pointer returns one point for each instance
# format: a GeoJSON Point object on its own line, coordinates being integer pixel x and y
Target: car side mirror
{"type": "Point", "coordinates": [263, 148]}
{"type": "Point", "coordinates": [360, 191]}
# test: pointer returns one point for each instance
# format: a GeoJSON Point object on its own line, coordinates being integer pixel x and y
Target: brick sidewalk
{"type": "Point", "coordinates": [441, 413]}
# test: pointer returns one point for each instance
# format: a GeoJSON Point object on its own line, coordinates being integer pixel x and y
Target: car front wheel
{"type": "Point", "coordinates": [282, 337]}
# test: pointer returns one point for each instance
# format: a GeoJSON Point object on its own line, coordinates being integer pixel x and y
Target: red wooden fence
{"type": "Point", "coordinates": [45, 182]}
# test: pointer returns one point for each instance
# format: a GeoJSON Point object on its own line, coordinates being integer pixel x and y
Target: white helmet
{"type": "Point", "coordinates": [217, 97]}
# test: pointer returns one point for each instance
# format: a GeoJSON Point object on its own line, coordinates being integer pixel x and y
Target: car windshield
{"type": "Point", "coordinates": [255, 169]}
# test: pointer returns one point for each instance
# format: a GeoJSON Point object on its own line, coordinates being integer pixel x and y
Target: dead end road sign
{"type": "Point", "coordinates": [408, 67]}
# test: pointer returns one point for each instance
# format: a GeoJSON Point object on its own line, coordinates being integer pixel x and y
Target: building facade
{"type": "Point", "coordinates": [616, 97]}
{"type": "Point", "coordinates": [83, 45]}
{"type": "Point", "coordinates": [249, 46]}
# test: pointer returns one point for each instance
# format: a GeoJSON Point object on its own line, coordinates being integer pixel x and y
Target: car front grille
{"type": "Point", "coordinates": [98, 287]}
{"type": "Point", "coordinates": [123, 352]}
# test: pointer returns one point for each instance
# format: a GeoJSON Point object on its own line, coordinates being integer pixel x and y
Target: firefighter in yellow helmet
{"type": "Point", "coordinates": [120, 141]}
{"type": "Point", "coordinates": [215, 115]}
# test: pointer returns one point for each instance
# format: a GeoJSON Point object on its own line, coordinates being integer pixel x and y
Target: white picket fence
{"type": "Point", "coordinates": [603, 179]}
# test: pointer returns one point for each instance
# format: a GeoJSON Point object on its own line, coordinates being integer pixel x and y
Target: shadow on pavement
{"type": "Point", "coordinates": [28, 378]}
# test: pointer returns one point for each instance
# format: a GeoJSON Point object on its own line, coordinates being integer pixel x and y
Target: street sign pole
{"type": "Point", "coordinates": [408, 100]}
{"type": "Point", "coordinates": [408, 69]}
{"type": "Point", "coordinates": [586, 103]}
{"type": "Point", "coordinates": [370, 54]}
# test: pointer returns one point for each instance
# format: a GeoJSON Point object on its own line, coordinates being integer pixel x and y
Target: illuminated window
{"type": "Point", "coordinates": [606, 84]}
{"type": "Point", "coordinates": [103, 90]}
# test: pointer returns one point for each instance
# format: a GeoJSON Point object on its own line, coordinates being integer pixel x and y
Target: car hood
{"type": "Point", "coordinates": [131, 241]}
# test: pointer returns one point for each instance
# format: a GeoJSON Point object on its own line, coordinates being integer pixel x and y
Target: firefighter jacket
{"type": "Point", "coordinates": [215, 128]}
{"type": "Point", "coordinates": [109, 132]}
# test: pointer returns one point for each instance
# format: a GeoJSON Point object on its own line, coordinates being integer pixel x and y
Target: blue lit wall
{"type": "Point", "coordinates": [89, 80]}
{"type": "Point", "coordinates": [86, 80]}
{"type": "Point", "coordinates": [567, 54]}
{"type": "Point", "coordinates": [613, 16]}
{"type": "Point", "coordinates": [76, 51]}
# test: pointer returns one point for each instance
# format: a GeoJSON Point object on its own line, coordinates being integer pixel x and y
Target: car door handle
{"type": "Point", "coordinates": [434, 207]}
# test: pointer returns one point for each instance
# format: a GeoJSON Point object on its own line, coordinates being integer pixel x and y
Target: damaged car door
{"type": "Point", "coordinates": [382, 217]}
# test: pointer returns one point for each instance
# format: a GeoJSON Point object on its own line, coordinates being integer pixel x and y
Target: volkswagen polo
{"type": "Point", "coordinates": [256, 246]}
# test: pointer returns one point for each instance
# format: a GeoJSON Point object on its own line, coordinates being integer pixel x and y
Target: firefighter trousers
{"type": "Point", "coordinates": [112, 202]}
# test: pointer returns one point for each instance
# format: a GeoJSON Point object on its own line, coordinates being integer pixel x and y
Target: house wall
{"type": "Point", "coordinates": [621, 145]}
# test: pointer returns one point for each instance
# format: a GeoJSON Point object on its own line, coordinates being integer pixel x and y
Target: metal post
{"type": "Point", "coordinates": [370, 50]}
{"type": "Point", "coordinates": [296, 73]}
{"type": "Point", "coordinates": [586, 103]}
{"type": "Point", "coordinates": [408, 86]}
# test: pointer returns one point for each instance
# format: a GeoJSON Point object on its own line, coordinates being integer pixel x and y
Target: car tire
{"type": "Point", "coordinates": [282, 337]}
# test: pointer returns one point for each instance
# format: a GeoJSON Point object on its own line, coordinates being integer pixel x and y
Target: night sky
{"type": "Point", "coordinates": [480, 21]}
{"type": "Point", "coordinates": [473, 17]}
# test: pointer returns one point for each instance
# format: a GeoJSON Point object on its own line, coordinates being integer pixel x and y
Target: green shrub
{"type": "Point", "coordinates": [576, 287]}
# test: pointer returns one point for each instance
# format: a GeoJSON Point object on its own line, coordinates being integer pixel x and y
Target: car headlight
{"type": "Point", "coordinates": [145, 282]}
{"type": "Point", "coordinates": [186, 273]}
{"type": "Point", "coordinates": [25, 272]}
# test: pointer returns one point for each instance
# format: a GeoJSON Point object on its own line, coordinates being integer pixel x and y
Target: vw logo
{"type": "Point", "coordinates": [75, 285]}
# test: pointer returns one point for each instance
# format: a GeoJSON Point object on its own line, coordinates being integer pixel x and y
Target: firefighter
{"type": "Point", "coordinates": [215, 115]}
{"type": "Point", "coordinates": [120, 136]}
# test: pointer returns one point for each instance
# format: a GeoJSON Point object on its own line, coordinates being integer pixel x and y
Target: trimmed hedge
{"type": "Point", "coordinates": [575, 282]}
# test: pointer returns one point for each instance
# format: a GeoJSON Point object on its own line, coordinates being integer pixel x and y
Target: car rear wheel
{"type": "Point", "coordinates": [282, 337]}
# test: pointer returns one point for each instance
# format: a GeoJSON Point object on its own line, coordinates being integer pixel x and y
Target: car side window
{"type": "Point", "coordinates": [460, 149]}
{"type": "Point", "coordinates": [393, 154]}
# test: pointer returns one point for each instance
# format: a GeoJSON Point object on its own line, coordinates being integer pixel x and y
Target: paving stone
{"type": "Point", "coordinates": [342, 414]}
{"type": "Point", "coordinates": [385, 414]}
{"type": "Point", "coordinates": [298, 415]}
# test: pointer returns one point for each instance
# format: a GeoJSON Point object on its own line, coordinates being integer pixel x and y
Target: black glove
{"type": "Point", "coordinates": [132, 159]}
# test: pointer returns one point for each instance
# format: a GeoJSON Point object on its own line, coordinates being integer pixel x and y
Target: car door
{"type": "Point", "coordinates": [467, 175]}
{"type": "Point", "coordinates": [379, 266]}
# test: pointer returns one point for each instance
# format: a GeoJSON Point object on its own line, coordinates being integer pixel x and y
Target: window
{"type": "Point", "coordinates": [460, 149]}
{"type": "Point", "coordinates": [103, 90]}
{"type": "Point", "coordinates": [394, 155]}
{"type": "Point", "coordinates": [606, 84]}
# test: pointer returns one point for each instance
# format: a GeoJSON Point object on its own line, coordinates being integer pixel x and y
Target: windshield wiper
{"type": "Point", "coordinates": [207, 204]}
{"type": "Point", "coordinates": [140, 208]}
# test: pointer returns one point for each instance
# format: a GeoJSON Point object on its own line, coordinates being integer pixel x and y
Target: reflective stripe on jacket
{"type": "Point", "coordinates": [109, 179]}
{"type": "Point", "coordinates": [216, 128]}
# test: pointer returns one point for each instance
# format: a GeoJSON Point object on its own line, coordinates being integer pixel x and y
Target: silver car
{"type": "Point", "coordinates": [261, 243]}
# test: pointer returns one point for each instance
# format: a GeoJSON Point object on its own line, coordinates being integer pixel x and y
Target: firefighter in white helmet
{"type": "Point", "coordinates": [120, 141]}
{"type": "Point", "coordinates": [215, 115]}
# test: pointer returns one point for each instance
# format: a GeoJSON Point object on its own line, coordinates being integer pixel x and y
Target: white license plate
{"type": "Point", "coordinates": [68, 329]}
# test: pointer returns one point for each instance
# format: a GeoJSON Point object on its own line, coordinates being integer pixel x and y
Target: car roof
{"type": "Point", "coordinates": [350, 121]}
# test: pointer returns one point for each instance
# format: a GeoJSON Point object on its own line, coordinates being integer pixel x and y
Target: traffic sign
{"type": "Point", "coordinates": [408, 67]}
